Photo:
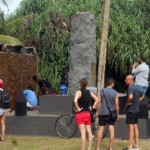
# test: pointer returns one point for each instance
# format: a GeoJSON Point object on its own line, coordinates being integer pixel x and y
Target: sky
{"type": "Point", "coordinates": [12, 4]}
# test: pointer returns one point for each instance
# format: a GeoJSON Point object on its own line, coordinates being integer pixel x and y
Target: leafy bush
{"type": "Point", "coordinates": [129, 32]}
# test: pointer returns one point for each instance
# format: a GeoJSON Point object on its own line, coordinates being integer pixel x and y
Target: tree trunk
{"type": "Point", "coordinates": [103, 46]}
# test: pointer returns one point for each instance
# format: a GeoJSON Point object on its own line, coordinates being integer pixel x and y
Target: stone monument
{"type": "Point", "coordinates": [82, 50]}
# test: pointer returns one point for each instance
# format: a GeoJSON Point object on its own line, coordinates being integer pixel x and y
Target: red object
{"type": "Point", "coordinates": [83, 118]}
{"type": "Point", "coordinates": [53, 94]}
{"type": "Point", "coordinates": [1, 83]}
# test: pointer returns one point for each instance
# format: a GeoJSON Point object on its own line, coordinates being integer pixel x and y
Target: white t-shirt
{"type": "Point", "coordinates": [141, 73]}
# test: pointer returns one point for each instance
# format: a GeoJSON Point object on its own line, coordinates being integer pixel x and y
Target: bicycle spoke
{"type": "Point", "coordinates": [63, 122]}
{"type": "Point", "coordinates": [65, 126]}
{"type": "Point", "coordinates": [69, 131]}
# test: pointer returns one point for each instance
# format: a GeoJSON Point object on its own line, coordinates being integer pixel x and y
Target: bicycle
{"type": "Point", "coordinates": [65, 126]}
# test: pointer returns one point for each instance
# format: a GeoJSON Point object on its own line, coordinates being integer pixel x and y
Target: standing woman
{"type": "Point", "coordinates": [82, 102]}
{"type": "Point", "coordinates": [3, 113]}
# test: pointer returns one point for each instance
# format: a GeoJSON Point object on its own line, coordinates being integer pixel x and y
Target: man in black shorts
{"type": "Point", "coordinates": [104, 115]}
{"type": "Point", "coordinates": [134, 96]}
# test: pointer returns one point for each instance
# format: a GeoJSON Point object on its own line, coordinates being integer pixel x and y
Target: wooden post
{"type": "Point", "coordinates": [103, 46]}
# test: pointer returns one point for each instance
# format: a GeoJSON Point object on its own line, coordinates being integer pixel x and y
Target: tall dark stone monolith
{"type": "Point", "coordinates": [82, 50]}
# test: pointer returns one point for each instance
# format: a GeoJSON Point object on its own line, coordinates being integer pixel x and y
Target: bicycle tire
{"type": "Point", "coordinates": [104, 132]}
{"type": "Point", "coordinates": [95, 127]}
{"type": "Point", "coordinates": [65, 126]}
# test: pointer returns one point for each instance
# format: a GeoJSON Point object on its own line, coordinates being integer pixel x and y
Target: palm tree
{"type": "Point", "coordinates": [8, 29]}
{"type": "Point", "coordinates": [5, 3]}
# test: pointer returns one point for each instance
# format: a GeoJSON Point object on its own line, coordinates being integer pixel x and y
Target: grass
{"type": "Point", "coordinates": [53, 143]}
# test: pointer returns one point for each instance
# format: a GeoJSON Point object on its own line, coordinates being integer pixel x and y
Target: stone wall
{"type": "Point", "coordinates": [82, 50]}
{"type": "Point", "coordinates": [16, 70]}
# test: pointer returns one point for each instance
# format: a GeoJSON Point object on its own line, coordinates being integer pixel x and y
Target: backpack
{"type": "Point", "coordinates": [4, 99]}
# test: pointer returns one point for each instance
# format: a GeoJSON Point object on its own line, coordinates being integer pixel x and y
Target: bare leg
{"type": "Point", "coordinates": [136, 135]}
{"type": "Point", "coordinates": [83, 135]}
{"type": "Point", "coordinates": [89, 132]}
{"type": "Point", "coordinates": [112, 136]}
{"type": "Point", "coordinates": [3, 127]}
{"type": "Point", "coordinates": [99, 136]}
{"type": "Point", "coordinates": [131, 135]}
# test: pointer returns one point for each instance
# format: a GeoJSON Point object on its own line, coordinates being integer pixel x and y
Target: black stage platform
{"type": "Point", "coordinates": [41, 122]}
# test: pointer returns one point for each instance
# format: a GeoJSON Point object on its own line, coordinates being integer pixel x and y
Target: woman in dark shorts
{"type": "Point", "coordinates": [82, 102]}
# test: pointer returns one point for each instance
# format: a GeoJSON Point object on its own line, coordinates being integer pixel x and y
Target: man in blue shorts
{"type": "Point", "coordinates": [134, 96]}
{"type": "Point", "coordinates": [141, 72]}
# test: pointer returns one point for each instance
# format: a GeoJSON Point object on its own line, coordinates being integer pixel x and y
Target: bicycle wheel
{"type": "Point", "coordinates": [104, 132]}
{"type": "Point", "coordinates": [95, 127]}
{"type": "Point", "coordinates": [65, 126]}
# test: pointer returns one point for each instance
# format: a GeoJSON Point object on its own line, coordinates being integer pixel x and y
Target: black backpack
{"type": "Point", "coordinates": [4, 99]}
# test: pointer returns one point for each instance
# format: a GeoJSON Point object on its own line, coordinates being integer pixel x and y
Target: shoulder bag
{"type": "Point", "coordinates": [113, 113]}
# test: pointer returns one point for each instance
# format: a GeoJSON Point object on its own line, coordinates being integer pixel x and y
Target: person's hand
{"type": "Point", "coordinates": [135, 64]}
{"type": "Point", "coordinates": [94, 106]}
{"type": "Point", "coordinates": [78, 110]}
{"type": "Point", "coordinates": [97, 114]}
{"type": "Point", "coordinates": [127, 104]}
{"type": "Point", "coordinates": [10, 110]}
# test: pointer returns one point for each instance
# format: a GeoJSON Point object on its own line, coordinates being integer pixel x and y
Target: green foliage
{"type": "Point", "coordinates": [129, 32]}
{"type": "Point", "coordinates": [50, 32]}
{"type": "Point", "coordinates": [9, 40]}
{"type": "Point", "coordinates": [16, 25]}
{"type": "Point", "coordinates": [9, 28]}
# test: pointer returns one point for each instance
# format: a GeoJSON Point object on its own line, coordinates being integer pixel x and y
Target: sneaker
{"type": "Point", "coordinates": [128, 148]}
{"type": "Point", "coordinates": [136, 148]}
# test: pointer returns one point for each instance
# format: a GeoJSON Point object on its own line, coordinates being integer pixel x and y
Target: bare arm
{"type": "Point", "coordinates": [129, 100]}
{"type": "Point", "coordinates": [76, 98]}
{"type": "Point", "coordinates": [98, 107]}
{"type": "Point", "coordinates": [142, 97]}
{"type": "Point", "coordinates": [96, 100]}
{"type": "Point", "coordinates": [134, 67]}
{"type": "Point", "coordinates": [117, 105]}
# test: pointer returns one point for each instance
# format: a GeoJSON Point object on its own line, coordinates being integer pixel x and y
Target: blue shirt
{"type": "Point", "coordinates": [63, 89]}
{"type": "Point", "coordinates": [31, 97]}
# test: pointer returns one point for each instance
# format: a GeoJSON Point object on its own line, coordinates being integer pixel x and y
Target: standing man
{"type": "Point", "coordinates": [104, 115]}
{"type": "Point", "coordinates": [134, 95]}
{"type": "Point", "coordinates": [141, 72]}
